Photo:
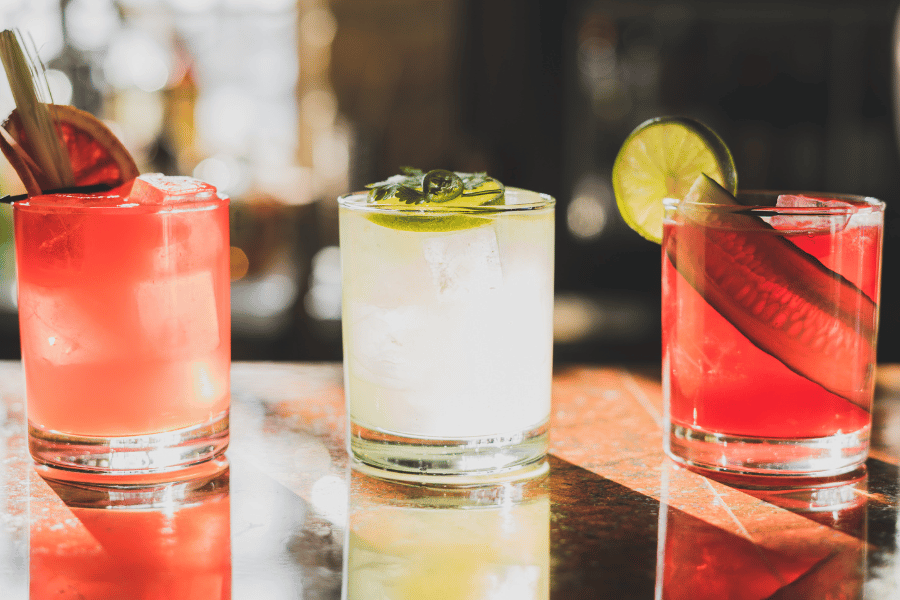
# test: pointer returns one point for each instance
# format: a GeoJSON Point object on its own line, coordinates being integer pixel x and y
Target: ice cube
{"type": "Point", "coordinates": [59, 329]}
{"type": "Point", "coordinates": [385, 343]}
{"type": "Point", "coordinates": [806, 218]}
{"type": "Point", "coordinates": [156, 188]}
{"type": "Point", "coordinates": [189, 238]}
{"type": "Point", "coordinates": [463, 263]}
{"type": "Point", "coordinates": [798, 201]}
{"type": "Point", "coordinates": [178, 314]}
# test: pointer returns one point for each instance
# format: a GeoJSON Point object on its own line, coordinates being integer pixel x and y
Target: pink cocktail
{"type": "Point", "coordinates": [125, 325]}
{"type": "Point", "coordinates": [770, 316]}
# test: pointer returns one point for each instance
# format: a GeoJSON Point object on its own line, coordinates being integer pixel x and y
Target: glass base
{"type": "Point", "coordinates": [192, 485]}
{"type": "Point", "coordinates": [804, 457]}
{"type": "Point", "coordinates": [132, 455]}
{"type": "Point", "coordinates": [406, 455]}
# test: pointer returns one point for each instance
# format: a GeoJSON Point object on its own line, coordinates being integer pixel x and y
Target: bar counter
{"type": "Point", "coordinates": [285, 517]}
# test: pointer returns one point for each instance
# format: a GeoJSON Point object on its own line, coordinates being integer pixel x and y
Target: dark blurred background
{"type": "Point", "coordinates": [285, 104]}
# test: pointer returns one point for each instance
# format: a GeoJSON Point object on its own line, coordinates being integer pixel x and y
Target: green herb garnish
{"type": "Point", "coordinates": [25, 72]}
{"type": "Point", "coordinates": [415, 186]}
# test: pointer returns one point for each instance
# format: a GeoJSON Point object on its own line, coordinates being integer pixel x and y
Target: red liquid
{"type": "Point", "coordinates": [124, 316]}
{"type": "Point", "coordinates": [181, 552]}
{"type": "Point", "coordinates": [722, 382]}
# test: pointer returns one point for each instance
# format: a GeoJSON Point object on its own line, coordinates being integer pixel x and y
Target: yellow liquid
{"type": "Point", "coordinates": [448, 334]}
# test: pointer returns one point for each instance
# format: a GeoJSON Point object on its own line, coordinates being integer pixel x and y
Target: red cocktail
{"type": "Point", "coordinates": [770, 316]}
{"type": "Point", "coordinates": [125, 325]}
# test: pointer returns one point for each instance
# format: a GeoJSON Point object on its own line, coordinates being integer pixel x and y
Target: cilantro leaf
{"type": "Point", "coordinates": [409, 195]}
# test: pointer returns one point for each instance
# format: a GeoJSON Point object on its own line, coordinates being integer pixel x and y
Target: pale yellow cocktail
{"type": "Point", "coordinates": [447, 321]}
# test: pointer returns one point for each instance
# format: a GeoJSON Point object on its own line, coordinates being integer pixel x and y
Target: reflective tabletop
{"type": "Point", "coordinates": [285, 516]}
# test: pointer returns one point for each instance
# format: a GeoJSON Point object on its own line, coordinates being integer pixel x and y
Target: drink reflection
{"type": "Point", "coordinates": [411, 541]}
{"type": "Point", "coordinates": [160, 541]}
{"type": "Point", "coordinates": [814, 548]}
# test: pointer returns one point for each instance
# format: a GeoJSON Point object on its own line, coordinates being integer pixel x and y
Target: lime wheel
{"type": "Point", "coordinates": [661, 159]}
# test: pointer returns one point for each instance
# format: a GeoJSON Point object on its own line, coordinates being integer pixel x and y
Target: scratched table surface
{"type": "Point", "coordinates": [285, 517]}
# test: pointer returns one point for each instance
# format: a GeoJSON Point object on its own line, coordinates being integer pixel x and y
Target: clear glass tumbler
{"type": "Point", "coordinates": [448, 333]}
{"type": "Point", "coordinates": [125, 326]}
{"type": "Point", "coordinates": [770, 319]}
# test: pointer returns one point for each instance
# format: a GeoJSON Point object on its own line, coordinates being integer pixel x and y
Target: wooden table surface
{"type": "Point", "coordinates": [284, 517]}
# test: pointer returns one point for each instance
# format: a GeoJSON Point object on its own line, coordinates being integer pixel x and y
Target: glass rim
{"type": "Point", "coordinates": [70, 203]}
{"type": "Point", "coordinates": [358, 201]}
{"type": "Point", "coordinates": [856, 203]}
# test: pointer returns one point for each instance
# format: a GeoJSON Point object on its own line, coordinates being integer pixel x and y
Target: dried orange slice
{"type": "Point", "coordinates": [96, 154]}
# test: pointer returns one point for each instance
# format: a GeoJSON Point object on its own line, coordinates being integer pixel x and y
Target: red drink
{"type": "Point", "coordinates": [769, 327]}
{"type": "Point", "coordinates": [125, 325]}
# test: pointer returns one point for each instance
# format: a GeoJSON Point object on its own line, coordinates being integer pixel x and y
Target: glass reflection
{"type": "Point", "coordinates": [168, 540]}
{"type": "Point", "coordinates": [817, 549]}
{"type": "Point", "coordinates": [415, 541]}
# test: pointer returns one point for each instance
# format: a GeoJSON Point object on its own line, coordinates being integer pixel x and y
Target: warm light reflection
{"type": "Point", "coordinates": [328, 497]}
{"type": "Point", "coordinates": [477, 544]}
{"type": "Point", "coordinates": [240, 264]}
{"type": "Point", "coordinates": [318, 108]}
{"type": "Point", "coordinates": [161, 541]}
{"type": "Point", "coordinates": [814, 548]}
{"type": "Point", "coordinates": [318, 27]}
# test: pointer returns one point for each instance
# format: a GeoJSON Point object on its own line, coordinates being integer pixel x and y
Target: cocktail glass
{"type": "Point", "coordinates": [124, 316]}
{"type": "Point", "coordinates": [448, 331]}
{"type": "Point", "coordinates": [770, 318]}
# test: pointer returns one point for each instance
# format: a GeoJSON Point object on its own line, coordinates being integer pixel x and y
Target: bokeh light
{"type": "Point", "coordinates": [323, 301]}
{"type": "Point", "coordinates": [91, 23]}
{"type": "Point", "coordinates": [587, 214]}
{"type": "Point", "coordinates": [60, 86]}
{"type": "Point", "coordinates": [137, 60]}
{"type": "Point", "coordinates": [224, 171]}
{"type": "Point", "coordinates": [318, 108]}
{"type": "Point", "coordinates": [318, 27]}
{"type": "Point", "coordinates": [193, 6]}
{"type": "Point", "coordinates": [225, 119]}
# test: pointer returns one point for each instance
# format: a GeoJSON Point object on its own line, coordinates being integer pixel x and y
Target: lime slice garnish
{"type": "Point", "coordinates": [420, 201]}
{"type": "Point", "coordinates": [662, 158]}
{"type": "Point", "coordinates": [428, 223]}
